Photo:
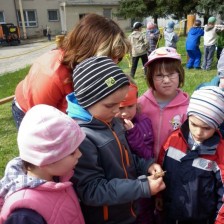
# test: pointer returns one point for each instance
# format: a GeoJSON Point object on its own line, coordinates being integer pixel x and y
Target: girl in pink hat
{"type": "Point", "coordinates": [36, 188]}
{"type": "Point", "coordinates": [164, 102]}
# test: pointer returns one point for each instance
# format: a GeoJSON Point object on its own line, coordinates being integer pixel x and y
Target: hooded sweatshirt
{"type": "Point", "coordinates": [139, 43]}
{"type": "Point", "coordinates": [210, 36]}
{"type": "Point", "coordinates": [165, 120]}
{"type": "Point", "coordinates": [171, 38]}
{"type": "Point", "coordinates": [193, 38]}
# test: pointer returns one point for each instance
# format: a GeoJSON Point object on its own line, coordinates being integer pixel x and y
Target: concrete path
{"type": "Point", "coordinates": [13, 58]}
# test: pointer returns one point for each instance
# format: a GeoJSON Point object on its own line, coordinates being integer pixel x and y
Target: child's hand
{"type": "Point", "coordinates": [154, 168]}
{"type": "Point", "coordinates": [156, 185]}
{"type": "Point", "coordinates": [128, 124]}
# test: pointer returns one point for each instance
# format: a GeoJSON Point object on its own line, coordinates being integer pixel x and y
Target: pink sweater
{"type": "Point", "coordinates": [165, 120]}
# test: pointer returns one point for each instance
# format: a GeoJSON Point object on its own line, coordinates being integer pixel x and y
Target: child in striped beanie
{"type": "Point", "coordinates": [193, 159]}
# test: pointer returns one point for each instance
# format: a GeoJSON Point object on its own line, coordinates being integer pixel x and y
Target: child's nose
{"type": "Point", "coordinates": [123, 114]}
{"type": "Point", "coordinates": [198, 131]}
{"type": "Point", "coordinates": [166, 78]}
{"type": "Point", "coordinates": [116, 110]}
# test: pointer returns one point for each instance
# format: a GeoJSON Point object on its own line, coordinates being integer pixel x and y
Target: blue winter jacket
{"type": "Point", "coordinates": [194, 178]}
{"type": "Point", "coordinates": [193, 38]}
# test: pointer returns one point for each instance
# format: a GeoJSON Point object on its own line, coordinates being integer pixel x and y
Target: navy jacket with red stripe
{"type": "Point", "coordinates": [194, 178]}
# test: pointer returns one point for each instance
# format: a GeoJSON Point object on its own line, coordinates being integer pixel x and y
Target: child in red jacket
{"type": "Point", "coordinates": [193, 158]}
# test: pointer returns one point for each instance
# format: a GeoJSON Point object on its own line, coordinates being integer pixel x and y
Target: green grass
{"type": "Point", "coordinates": [8, 82]}
{"type": "Point", "coordinates": [8, 131]}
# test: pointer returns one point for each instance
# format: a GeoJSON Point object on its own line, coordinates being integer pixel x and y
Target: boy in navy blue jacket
{"type": "Point", "coordinates": [193, 158]}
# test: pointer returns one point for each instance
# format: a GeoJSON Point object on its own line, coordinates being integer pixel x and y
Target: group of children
{"type": "Point", "coordinates": [119, 146]}
{"type": "Point", "coordinates": [213, 38]}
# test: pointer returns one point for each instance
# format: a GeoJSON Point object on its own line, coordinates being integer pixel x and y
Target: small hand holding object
{"type": "Point", "coordinates": [154, 168]}
{"type": "Point", "coordinates": [156, 185]}
{"type": "Point", "coordinates": [128, 124]}
{"type": "Point", "coordinates": [159, 174]}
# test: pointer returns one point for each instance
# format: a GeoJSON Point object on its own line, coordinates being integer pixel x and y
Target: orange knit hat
{"type": "Point", "coordinates": [131, 97]}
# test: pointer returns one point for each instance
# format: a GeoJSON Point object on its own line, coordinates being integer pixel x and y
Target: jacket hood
{"type": "Point", "coordinates": [136, 34]}
{"type": "Point", "coordinates": [169, 30]}
{"type": "Point", "coordinates": [75, 111]}
{"type": "Point", "coordinates": [16, 179]}
{"type": "Point", "coordinates": [195, 30]}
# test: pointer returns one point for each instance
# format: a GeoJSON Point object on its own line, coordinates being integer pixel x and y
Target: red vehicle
{"type": "Point", "coordinates": [9, 34]}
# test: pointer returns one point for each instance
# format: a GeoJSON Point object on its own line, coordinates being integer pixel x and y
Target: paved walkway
{"type": "Point", "coordinates": [13, 58]}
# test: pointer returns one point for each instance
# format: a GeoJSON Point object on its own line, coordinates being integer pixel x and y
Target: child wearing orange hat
{"type": "Point", "coordinates": [140, 138]}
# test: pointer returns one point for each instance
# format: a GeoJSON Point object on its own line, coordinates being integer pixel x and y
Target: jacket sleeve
{"type": "Point", "coordinates": [25, 216]}
{"type": "Point", "coordinates": [220, 185]}
{"type": "Point", "coordinates": [163, 152]}
{"type": "Point", "coordinates": [141, 142]}
{"type": "Point", "coordinates": [175, 38]}
{"type": "Point", "coordinates": [48, 83]}
{"type": "Point", "coordinates": [96, 189]}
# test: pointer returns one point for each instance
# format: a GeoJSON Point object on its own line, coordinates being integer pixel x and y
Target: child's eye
{"type": "Point", "coordinates": [192, 124]}
{"type": "Point", "coordinates": [207, 128]}
{"type": "Point", "coordinates": [109, 106]}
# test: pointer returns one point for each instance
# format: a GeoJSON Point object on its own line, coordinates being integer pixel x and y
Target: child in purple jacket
{"type": "Point", "coordinates": [140, 138]}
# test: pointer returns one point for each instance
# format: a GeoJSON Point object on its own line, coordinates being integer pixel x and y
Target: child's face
{"type": "Point", "coordinates": [107, 108]}
{"type": "Point", "coordinates": [166, 84]}
{"type": "Point", "coordinates": [221, 83]}
{"type": "Point", "coordinates": [200, 130]}
{"type": "Point", "coordinates": [127, 112]}
{"type": "Point", "coordinates": [65, 165]}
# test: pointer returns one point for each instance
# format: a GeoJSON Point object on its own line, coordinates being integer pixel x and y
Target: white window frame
{"type": "Point", "coordinates": [3, 17]}
{"type": "Point", "coordinates": [107, 12]}
{"type": "Point", "coordinates": [28, 23]}
{"type": "Point", "coordinates": [53, 10]}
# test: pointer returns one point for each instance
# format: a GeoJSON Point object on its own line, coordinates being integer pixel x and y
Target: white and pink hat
{"type": "Point", "coordinates": [46, 135]}
{"type": "Point", "coordinates": [163, 52]}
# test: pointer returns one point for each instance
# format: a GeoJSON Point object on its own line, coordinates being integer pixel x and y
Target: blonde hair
{"type": "Point", "coordinates": [94, 35]}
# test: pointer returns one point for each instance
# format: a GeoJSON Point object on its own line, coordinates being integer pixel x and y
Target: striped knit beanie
{"type": "Point", "coordinates": [207, 104]}
{"type": "Point", "coordinates": [95, 78]}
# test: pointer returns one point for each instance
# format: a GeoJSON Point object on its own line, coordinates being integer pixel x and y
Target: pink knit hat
{"type": "Point", "coordinates": [150, 25]}
{"type": "Point", "coordinates": [46, 135]}
{"type": "Point", "coordinates": [163, 52]}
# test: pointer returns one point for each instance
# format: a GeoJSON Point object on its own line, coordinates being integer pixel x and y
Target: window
{"type": "Point", "coordinates": [53, 15]}
{"type": "Point", "coordinates": [30, 18]}
{"type": "Point", "coordinates": [2, 18]}
{"type": "Point", "coordinates": [107, 13]}
{"type": "Point", "coordinates": [81, 16]}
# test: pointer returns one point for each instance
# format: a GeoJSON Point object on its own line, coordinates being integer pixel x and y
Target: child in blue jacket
{"type": "Point", "coordinates": [192, 45]}
{"type": "Point", "coordinates": [108, 177]}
